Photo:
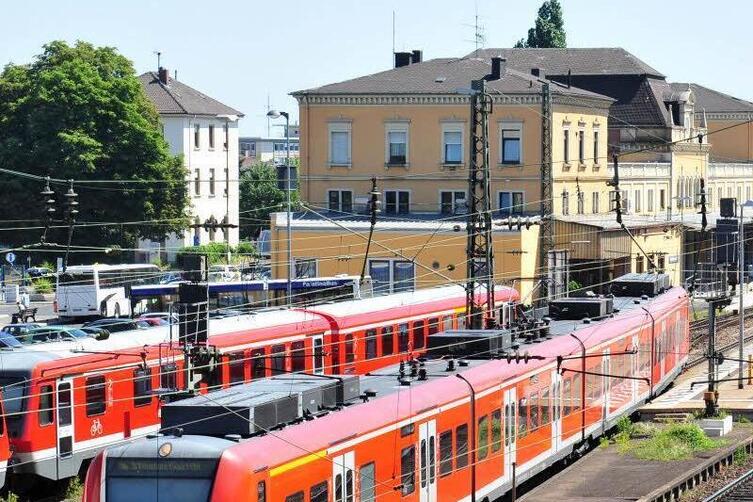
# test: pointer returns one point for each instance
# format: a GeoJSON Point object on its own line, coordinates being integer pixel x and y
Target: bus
{"type": "Point", "coordinates": [100, 290]}
{"type": "Point", "coordinates": [256, 294]}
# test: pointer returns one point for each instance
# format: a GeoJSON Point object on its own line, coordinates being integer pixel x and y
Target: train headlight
{"type": "Point", "coordinates": [165, 449]}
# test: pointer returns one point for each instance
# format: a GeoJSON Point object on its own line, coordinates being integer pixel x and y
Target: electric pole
{"type": "Point", "coordinates": [479, 250]}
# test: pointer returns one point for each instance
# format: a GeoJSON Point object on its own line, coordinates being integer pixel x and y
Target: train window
{"type": "Point", "coordinates": [258, 364]}
{"type": "Point", "coordinates": [461, 446]}
{"type": "Point", "coordinates": [406, 430]}
{"type": "Point", "coordinates": [142, 386]}
{"type": "Point", "coordinates": [367, 482]}
{"type": "Point", "coordinates": [545, 407]}
{"type": "Point", "coordinates": [371, 343]}
{"type": "Point", "coordinates": [567, 397]}
{"type": "Point", "coordinates": [319, 493]}
{"type": "Point", "coordinates": [433, 326]}
{"type": "Point", "coordinates": [388, 343]}
{"type": "Point", "coordinates": [402, 338]}
{"type": "Point", "coordinates": [237, 363]}
{"type": "Point", "coordinates": [298, 356]}
{"type": "Point", "coordinates": [447, 323]}
{"type": "Point", "coordinates": [522, 417]}
{"type": "Point", "coordinates": [349, 485]}
{"type": "Point", "coordinates": [533, 410]}
{"type": "Point", "coordinates": [577, 387]}
{"type": "Point", "coordinates": [483, 437]}
{"type": "Point", "coordinates": [408, 470]}
{"type": "Point", "coordinates": [318, 355]}
{"type": "Point", "coordinates": [261, 492]}
{"type": "Point", "coordinates": [349, 349]}
{"type": "Point", "coordinates": [95, 395]}
{"type": "Point", "coordinates": [432, 459]}
{"type": "Point", "coordinates": [296, 497]}
{"type": "Point", "coordinates": [418, 335]}
{"type": "Point", "coordinates": [445, 453]}
{"type": "Point", "coordinates": [339, 488]}
{"type": "Point", "coordinates": [45, 405]}
{"type": "Point", "coordinates": [278, 359]}
{"type": "Point", "coordinates": [496, 430]}
{"type": "Point", "coordinates": [168, 376]}
{"type": "Point", "coordinates": [423, 463]}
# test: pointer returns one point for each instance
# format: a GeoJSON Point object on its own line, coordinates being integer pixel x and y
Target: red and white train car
{"type": "Point", "coordinates": [436, 437]}
{"type": "Point", "coordinates": [72, 405]}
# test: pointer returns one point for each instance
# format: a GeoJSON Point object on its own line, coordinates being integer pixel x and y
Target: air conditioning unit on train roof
{"type": "Point", "coordinates": [576, 308]}
{"type": "Point", "coordinates": [475, 344]}
{"type": "Point", "coordinates": [634, 284]}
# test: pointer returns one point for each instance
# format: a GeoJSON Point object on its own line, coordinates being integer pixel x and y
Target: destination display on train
{"type": "Point", "coordinates": [153, 467]}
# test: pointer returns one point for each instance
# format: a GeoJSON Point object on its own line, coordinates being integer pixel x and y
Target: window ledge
{"type": "Point", "coordinates": [510, 164]}
{"type": "Point", "coordinates": [388, 165]}
{"type": "Point", "coordinates": [341, 164]}
{"type": "Point", "coordinates": [581, 167]}
{"type": "Point", "coordinates": [212, 196]}
{"type": "Point", "coordinates": [452, 166]}
{"type": "Point", "coordinates": [566, 166]}
{"type": "Point", "coordinates": [211, 149]}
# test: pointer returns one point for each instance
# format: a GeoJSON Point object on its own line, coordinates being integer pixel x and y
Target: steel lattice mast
{"type": "Point", "coordinates": [480, 253]}
{"type": "Point", "coordinates": [547, 189]}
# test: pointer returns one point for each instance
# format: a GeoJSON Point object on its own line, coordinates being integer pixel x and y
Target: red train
{"type": "Point", "coordinates": [67, 406]}
{"type": "Point", "coordinates": [439, 431]}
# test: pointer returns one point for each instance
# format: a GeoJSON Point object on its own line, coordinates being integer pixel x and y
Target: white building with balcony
{"type": "Point", "coordinates": [205, 133]}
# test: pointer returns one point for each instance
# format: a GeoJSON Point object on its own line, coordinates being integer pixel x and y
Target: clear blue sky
{"type": "Point", "coordinates": [240, 52]}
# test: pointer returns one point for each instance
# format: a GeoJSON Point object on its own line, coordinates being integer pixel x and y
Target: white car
{"type": "Point", "coordinates": [224, 273]}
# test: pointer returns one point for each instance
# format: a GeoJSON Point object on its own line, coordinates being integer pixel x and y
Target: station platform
{"type": "Point", "coordinates": [686, 397]}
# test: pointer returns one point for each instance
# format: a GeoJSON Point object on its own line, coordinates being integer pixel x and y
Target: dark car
{"type": "Point", "coordinates": [57, 334]}
{"type": "Point", "coordinates": [116, 325]}
{"type": "Point", "coordinates": [21, 330]}
{"type": "Point", "coordinates": [38, 271]}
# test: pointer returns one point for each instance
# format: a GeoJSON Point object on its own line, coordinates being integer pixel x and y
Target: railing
{"type": "Point", "coordinates": [719, 170]}
{"type": "Point", "coordinates": [642, 170]}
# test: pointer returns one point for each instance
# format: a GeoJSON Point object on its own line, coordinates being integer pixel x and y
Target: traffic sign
{"type": "Point", "coordinates": [10, 257]}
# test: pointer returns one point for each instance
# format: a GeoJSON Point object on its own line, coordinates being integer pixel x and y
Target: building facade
{"type": "Point", "coordinates": [204, 132]}
{"type": "Point", "coordinates": [261, 149]}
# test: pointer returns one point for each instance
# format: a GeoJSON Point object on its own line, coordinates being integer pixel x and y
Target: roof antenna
{"type": "Point", "coordinates": [393, 36]}
{"type": "Point", "coordinates": [159, 55]}
{"type": "Point", "coordinates": [479, 37]}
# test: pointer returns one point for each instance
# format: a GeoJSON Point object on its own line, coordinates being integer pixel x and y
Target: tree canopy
{"type": "Point", "coordinates": [549, 29]}
{"type": "Point", "coordinates": [79, 112]}
{"type": "Point", "coordinates": [259, 197]}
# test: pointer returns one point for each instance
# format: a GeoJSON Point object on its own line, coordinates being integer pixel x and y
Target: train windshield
{"type": "Point", "coordinates": [152, 480]}
{"type": "Point", "coordinates": [14, 401]}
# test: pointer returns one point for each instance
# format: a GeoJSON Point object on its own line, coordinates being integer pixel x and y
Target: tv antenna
{"type": "Point", "coordinates": [479, 32]}
{"type": "Point", "coordinates": [159, 56]}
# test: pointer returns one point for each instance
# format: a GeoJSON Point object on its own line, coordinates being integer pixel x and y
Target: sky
{"type": "Point", "coordinates": [249, 53]}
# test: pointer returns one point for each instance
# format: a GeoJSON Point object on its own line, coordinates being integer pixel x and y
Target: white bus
{"type": "Point", "coordinates": [100, 290]}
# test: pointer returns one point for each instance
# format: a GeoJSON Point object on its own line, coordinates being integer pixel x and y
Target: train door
{"type": "Point", "coordinates": [343, 477]}
{"type": "Point", "coordinates": [427, 450]}
{"type": "Point", "coordinates": [634, 361]}
{"type": "Point", "coordinates": [556, 410]}
{"type": "Point", "coordinates": [317, 363]}
{"type": "Point", "coordinates": [64, 425]}
{"type": "Point", "coordinates": [605, 385]}
{"type": "Point", "coordinates": [511, 428]}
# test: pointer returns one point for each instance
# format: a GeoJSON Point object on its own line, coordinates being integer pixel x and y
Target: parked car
{"type": "Point", "coordinates": [98, 333]}
{"type": "Point", "coordinates": [8, 340]}
{"type": "Point", "coordinates": [57, 334]}
{"type": "Point", "coordinates": [224, 273]}
{"type": "Point", "coordinates": [165, 316]}
{"type": "Point", "coordinates": [116, 325]}
{"type": "Point", "coordinates": [20, 331]}
{"type": "Point", "coordinates": [170, 278]}
{"type": "Point", "coordinates": [38, 271]}
{"type": "Point", "coordinates": [154, 321]}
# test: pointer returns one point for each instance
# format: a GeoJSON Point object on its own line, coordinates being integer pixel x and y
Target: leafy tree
{"type": "Point", "coordinates": [79, 112]}
{"type": "Point", "coordinates": [549, 29]}
{"type": "Point", "coordinates": [260, 196]}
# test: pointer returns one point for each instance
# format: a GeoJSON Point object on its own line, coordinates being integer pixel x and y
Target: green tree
{"type": "Point", "coordinates": [79, 112]}
{"type": "Point", "coordinates": [260, 196]}
{"type": "Point", "coordinates": [549, 29]}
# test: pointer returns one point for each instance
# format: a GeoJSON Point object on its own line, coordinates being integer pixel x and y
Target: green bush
{"type": "Point", "coordinates": [42, 285]}
{"type": "Point", "coordinates": [675, 442]}
{"type": "Point", "coordinates": [217, 251]}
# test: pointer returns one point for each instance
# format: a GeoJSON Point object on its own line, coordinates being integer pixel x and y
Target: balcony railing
{"type": "Point", "coordinates": [720, 170]}
{"type": "Point", "coordinates": [641, 170]}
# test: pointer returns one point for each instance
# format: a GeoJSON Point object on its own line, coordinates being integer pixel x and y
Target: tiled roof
{"type": "Point", "coordinates": [714, 101]}
{"type": "Point", "coordinates": [179, 99]}
{"type": "Point", "coordinates": [444, 76]}
{"type": "Point", "coordinates": [580, 61]}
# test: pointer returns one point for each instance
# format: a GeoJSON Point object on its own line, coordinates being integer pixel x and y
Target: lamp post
{"type": "Point", "coordinates": [741, 282]}
{"type": "Point", "coordinates": [275, 114]}
{"type": "Point", "coordinates": [226, 228]}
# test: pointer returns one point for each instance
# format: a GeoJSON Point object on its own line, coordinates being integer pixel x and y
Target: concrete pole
{"type": "Point", "coordinates": [291, 268]}
{"type": "Point", "coordinates": [741, 283]}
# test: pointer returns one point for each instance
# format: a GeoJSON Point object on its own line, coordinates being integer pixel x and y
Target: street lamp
{"type": "Point", "coordinates": [741, 281]}
{"type": "Point", "coordinates": [275, 114]}
{"type": "Point", "coordinates": [226, 228]}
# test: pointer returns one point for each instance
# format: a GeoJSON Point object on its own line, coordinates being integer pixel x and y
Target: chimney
{"type": "Point", "coordinates": [417, 57]}
{"type": "Point", "coordinates": [164, 76]}
{"type": "Point", "coordinates": [498, 67]}
{"type": "Point", "coordinates": [402, 59]}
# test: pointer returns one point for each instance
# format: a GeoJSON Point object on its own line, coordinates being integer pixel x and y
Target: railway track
{"type": "Point", "coordinates": [727, 335]}
{"type": "Point", "coordinates": [738, 490]}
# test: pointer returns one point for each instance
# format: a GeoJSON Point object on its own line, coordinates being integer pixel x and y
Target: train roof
{"type": "Point", "coordinates": [396, 402]}
{"type": "Point", "coordinates": [349, 313]}
{"type": "Point", "coordinates": [105, 266]}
